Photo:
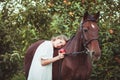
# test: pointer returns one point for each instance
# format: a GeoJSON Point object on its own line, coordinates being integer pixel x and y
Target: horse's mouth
{"type": "Point", "coordinates": [93, 55]}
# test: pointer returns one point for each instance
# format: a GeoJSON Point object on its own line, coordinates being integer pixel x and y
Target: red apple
{"type": "Point", "coordinates": [62, 51]}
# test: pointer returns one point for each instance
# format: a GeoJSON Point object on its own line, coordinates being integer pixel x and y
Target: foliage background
{"type": "Point", "coordinates": [22, 22]}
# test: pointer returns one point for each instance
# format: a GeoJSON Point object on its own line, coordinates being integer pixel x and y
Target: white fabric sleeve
{"type": "Point", "coordinates": [45, 50]}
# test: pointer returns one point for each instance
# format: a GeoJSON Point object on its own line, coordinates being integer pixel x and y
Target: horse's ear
{"type": "Point", "coordinates": [85, 16]}
{"type": "Point", "coordinates": [96, 16]}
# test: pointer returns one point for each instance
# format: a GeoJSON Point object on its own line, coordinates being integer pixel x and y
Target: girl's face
{"type": "Point", "coordinates": [59, 43]}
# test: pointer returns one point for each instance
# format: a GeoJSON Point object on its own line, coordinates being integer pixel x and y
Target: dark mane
{"type": "Point", "coordinates": [73, 45]}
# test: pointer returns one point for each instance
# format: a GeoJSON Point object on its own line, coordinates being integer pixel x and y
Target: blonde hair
{"type": "Point", "coordinates": [62, 37]}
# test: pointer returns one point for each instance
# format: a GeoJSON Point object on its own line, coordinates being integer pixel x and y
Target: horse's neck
{"type": "Point", "coordinates": [75, 43]}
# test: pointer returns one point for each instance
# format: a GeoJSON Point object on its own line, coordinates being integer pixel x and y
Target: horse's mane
{"type": "Point", "coordinates": [73, 45]}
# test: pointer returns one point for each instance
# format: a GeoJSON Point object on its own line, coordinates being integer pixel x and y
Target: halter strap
{"type": "Point", "coordinates": [86, 51]}
{"type": "Point", "coordinates": [85, 44]}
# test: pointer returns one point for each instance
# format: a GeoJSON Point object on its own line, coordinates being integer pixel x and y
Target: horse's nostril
{"type": "Point", "coordinates": [93, 53]}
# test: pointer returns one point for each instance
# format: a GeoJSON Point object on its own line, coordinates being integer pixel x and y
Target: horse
{"type": "Point", "coordinates": [81, 50]}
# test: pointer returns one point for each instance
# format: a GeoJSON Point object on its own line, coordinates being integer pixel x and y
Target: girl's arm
{"type": "Point", "coordinates": [45, 62]}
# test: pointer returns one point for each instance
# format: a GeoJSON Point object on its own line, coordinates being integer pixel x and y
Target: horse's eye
{"type": "Point", "coordinates": [85, 30]}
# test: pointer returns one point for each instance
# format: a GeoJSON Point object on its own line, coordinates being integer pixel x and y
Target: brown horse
{"type": "Point", "coordinates": [81, 49]}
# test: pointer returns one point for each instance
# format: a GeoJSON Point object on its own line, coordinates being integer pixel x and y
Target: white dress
{"type": "Point", "coordinates": [37, 71]}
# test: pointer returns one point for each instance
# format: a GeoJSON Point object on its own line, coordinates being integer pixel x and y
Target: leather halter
{"type": "Point", "coordinates": [85, 43]}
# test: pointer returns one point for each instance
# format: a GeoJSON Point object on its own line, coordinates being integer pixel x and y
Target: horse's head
{"type": "Point", "coordinates": [89, 29]}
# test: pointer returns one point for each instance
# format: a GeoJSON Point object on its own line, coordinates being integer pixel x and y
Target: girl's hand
{"type": "Point", "coordinates": [61, 53]}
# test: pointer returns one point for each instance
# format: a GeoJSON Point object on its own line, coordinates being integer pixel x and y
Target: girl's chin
{"type": "Point", "coordinates": [58, 47]}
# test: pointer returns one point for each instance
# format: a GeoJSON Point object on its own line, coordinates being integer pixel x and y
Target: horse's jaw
{"type": "Point", "coordinates": [94, 55]}
{"type": "Point", "coordinates": [94, 58]}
